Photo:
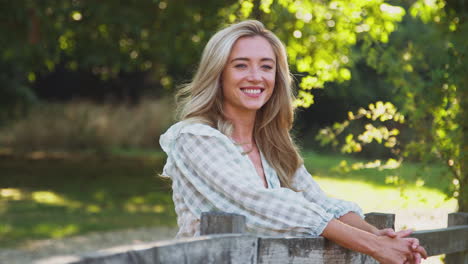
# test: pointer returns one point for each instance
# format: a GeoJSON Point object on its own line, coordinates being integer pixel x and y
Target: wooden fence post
{"type": "Point", "coordinates": [455, 219]}
{"type": "Point", "coordinates": [221, 223]}
{"type": "Point", "coordinates": [381, 220]}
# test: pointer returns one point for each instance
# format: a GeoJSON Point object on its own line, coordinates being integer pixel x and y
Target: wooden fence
{"type": "Point", "coordinates": [223, 241]}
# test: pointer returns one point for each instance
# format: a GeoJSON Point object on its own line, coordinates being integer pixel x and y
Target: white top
{"type": "Point", "coordinates": [210, 173]}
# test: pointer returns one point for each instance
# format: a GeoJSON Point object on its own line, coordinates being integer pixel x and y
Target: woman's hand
{"type": "Point", "coordinates": [396, 251]}
{"type": "Point", "coordinates": [391, 233]}
{"type": "Point", "coordinates": [418, 251]}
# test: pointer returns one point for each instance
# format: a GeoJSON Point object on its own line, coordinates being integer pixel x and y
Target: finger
{"type": "Point", "coordinates": [417, 258]}
{"type": "Point", "coordinates": [421, 250]}
{"type": "Point", "coordinates": [414, 243]}
{"type": "Point", "coordinates": [387, 232]}
{"type": "Point", "coordinates": [410, 257]}
{"type": "Point", "coordinates": [404, 233]}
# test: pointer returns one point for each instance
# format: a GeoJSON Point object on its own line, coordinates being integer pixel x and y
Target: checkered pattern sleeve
{"type": "Point", "coordinates": [214, 174]}
{"type": "Point", "coordinates": [312, 192]}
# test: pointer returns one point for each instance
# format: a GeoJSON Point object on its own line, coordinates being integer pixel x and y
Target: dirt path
{"type": "Point", "coordinates": [39, 251]}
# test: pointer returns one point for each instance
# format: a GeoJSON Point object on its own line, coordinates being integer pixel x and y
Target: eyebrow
{"type": "Point", "coordinates": [247, 59]}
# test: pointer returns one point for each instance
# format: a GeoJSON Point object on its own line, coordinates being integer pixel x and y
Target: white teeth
{"type": "Point", "coordinates": [252, 91]}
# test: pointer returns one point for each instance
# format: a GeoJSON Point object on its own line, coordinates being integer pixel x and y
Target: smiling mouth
{"type": "Point", "coordinates": [252, 91]}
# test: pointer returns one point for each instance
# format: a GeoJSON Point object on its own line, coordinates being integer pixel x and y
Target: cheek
{"type": "Point", "coordinates": [271, 79]}
{"type": "Point", "coordinates": [225, 81]}
{"type": "Point", "coordinates": [230, 78]}
{"type": "Point", "coordinates": [271, 84]}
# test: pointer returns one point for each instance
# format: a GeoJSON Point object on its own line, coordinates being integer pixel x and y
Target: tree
{"type": "Point", "coordinates": [426, 70]}
{"type": "Point", "coordinates": [105, 39]}
{"type": "Point", "coordinates": [423, 61]}
{"type": "Point", "coordinates": [433, 85]}
{"type": "Point", "coordinates": [165, 38]}
{"type": "Point", "coordinates": [319, 35]}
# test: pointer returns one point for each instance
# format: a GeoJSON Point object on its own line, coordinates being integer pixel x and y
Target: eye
{"type": "Point", "coordinates": [267, 67]}
{"type": "Point", "coordinates": [240, 66]}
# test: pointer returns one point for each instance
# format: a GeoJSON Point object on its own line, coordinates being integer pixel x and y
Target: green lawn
{"type": "Point", "coordinates": [368, 188]}
{"type": "Point", "coordinates": [56, 198]}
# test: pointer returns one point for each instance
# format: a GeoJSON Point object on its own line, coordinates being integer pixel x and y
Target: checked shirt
{"type": "Point", "coordinates": [210, 173]}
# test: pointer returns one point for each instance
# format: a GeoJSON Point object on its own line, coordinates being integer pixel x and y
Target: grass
{"type": "Point", "coordinates": [424, 187]}
{"type": "Point", "coordinates": [53, 198]}
{"type": "Point", "coordinates": [57, 198]}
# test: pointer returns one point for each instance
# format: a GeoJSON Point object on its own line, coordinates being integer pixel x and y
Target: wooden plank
{"type": "Point", "coordinates": [313, 250]}
{"type": "Point", "coordinates": [381, 220]}
{"type": "Point", "coordinates": [231, 248]}
{"type": "Point", "coordinates": [221, 223]}
{"type": "Point", "coordinates": [211, 249]}
{"type": "Point", "coordinates": [443, 241]}
{"type": "Point", "coordinates": [242, 248]}
{"type": "Point", "coordinates": [457, 219]}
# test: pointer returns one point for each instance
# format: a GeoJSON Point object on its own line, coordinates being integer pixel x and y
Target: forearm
{"type": "Point", "coordinates": [383, 248]}
{"type": "Point", "coordinates": [356, 221]}
{"type": "Point", "coordinates": [351, 237]}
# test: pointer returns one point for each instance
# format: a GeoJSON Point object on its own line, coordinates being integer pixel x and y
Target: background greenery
{"type": "Point", "coordinates": [384, 80]}
{"type": "Point", "coordinates": [54, 197]}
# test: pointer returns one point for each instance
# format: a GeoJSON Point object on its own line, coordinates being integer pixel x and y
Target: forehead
{"type": "Point", "coordinates": [252, 47]}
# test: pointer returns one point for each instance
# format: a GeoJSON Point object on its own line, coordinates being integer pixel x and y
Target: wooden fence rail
{"type": "Point", "coordinates": [224, 240]}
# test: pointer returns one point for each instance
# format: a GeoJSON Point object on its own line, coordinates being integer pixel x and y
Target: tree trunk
{"type": "Point", "coordinates": [463, 196]}
{"type": "Point", "coordinates": [34, 34]}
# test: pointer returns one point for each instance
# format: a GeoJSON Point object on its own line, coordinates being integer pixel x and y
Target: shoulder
{"type": "Point", "coordinates": [187, 127]}
{"type": "Point", "coordinates": [301, 175]}
{"type": "Point", "coordinates": [194, 128]}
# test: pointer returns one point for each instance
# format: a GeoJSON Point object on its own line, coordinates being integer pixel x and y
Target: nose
{"type": "Point", "coordinates": [254, 76]}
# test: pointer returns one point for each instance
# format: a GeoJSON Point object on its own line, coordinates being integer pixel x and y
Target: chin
{"type": "Point", "coordinates": [254, 107]}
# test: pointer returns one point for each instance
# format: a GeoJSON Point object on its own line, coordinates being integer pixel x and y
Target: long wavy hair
{"type": "Point", "coordinates": [201, 100]}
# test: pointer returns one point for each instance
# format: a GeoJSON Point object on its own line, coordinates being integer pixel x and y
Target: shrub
{"type": "Point", "coordinates": [79, 126]}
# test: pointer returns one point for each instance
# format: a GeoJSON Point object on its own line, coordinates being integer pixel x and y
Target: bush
{"type": "Point", "coordinates": [82, 126]}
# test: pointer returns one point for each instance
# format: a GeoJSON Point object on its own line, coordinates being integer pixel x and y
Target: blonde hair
{"type": "Point", "coordinates": [202, 100]}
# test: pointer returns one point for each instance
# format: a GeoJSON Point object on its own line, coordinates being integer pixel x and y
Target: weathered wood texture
{"type": "Point", "coordinates": [226, 248]}
{"type": "Point", "coordinates": [381, 220]}
{"type": "Point", "coordinates": [221, 223]}
{"type": "Point", "coordinates": [316, 250]}
{"type": "Point", "coordinates": [244, 248]}
{"type": "Point", "coordinates": [458, 219]}
{"type": "Point", "coordinates": [443, 241]}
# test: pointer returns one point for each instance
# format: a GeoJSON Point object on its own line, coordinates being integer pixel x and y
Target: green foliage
{"type": "Point", "coordinates": [163, 38]}
{"type": "Point", "coordinates": [320, 35]}
{"type": "Point", "coordinates": [107, 39]}
{"type": "Point", "coordinates": [420, 51]}
{"type": "Point", "coordinates": [430, 84]}
{"type": "Point", "coordinates": [54, 198]}
{"type": "Point", "coordinates": [379, 126]}
{"type": "Point", "coordinates": [432, 87]}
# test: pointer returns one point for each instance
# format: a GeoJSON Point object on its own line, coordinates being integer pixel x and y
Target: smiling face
{"type": "Point", "coordinates": [248, 79]}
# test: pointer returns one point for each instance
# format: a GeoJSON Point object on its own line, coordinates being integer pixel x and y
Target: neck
{"type": "Point", "coordinates": [243, 126]}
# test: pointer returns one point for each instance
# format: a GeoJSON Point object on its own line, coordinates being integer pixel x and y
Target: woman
{"type": "Point", "coordinates": [232, 152]}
